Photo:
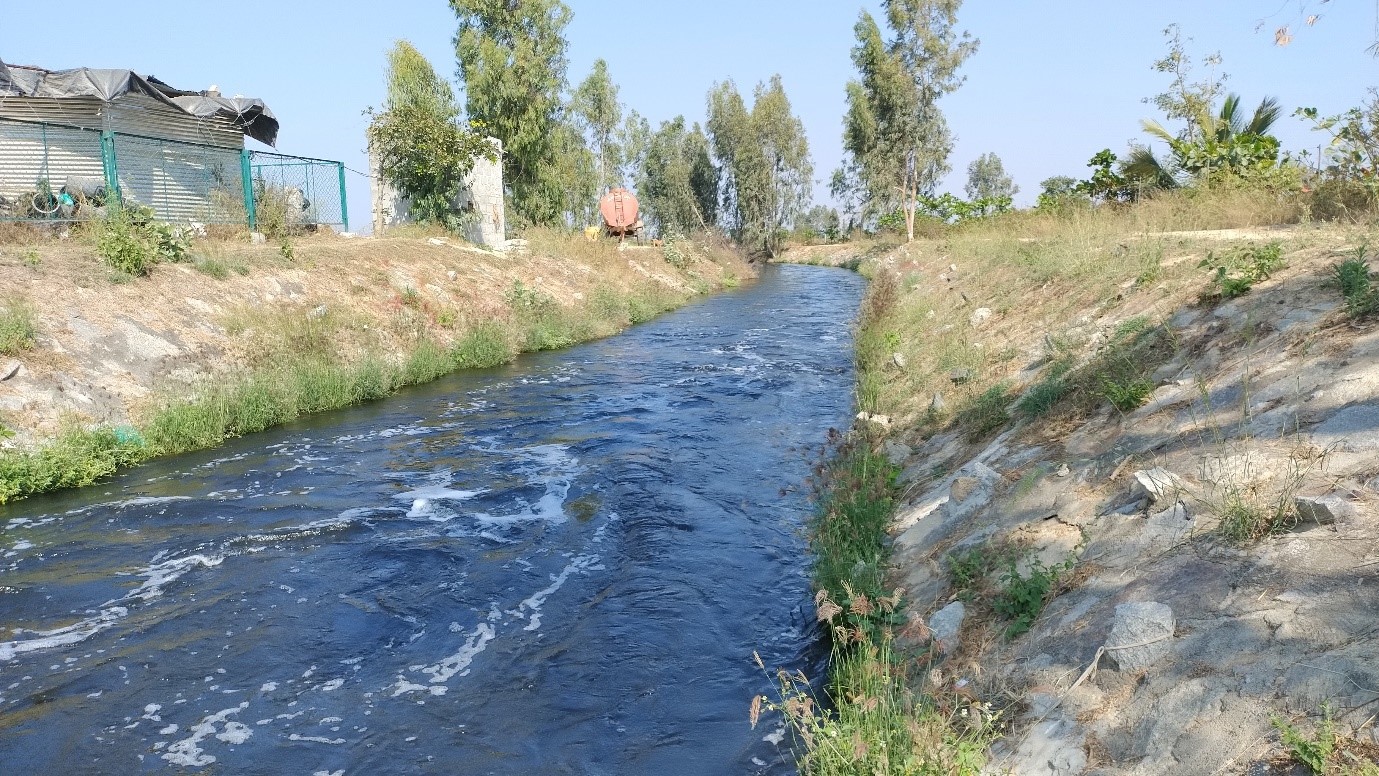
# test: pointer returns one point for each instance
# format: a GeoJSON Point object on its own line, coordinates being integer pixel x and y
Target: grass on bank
{"type": "Point", "coordinates": [296, 369]}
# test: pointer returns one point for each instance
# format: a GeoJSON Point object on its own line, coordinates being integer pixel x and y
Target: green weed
{"type": "Point", "coordinates": [1353, 277]}
{"type": "Point", "coordinates": [132, 242]}
{"type": "Point", "coordinates": [1022, 596]}
{"type": "Point", "coordinates": [17, 329]}
{"type": "Point", "coordinates": [1236, 271]}
{"type": "Point", "coordinates": [1314, 751]}
{"type": "Point", "coordinates": [1128, 395]}
{"type": "Point", "coordinates": [986, 412]}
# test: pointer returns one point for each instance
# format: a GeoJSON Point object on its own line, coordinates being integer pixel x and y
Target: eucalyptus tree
{"type": "Point", "coordinates": [679, 184]}
{"type": "Point", "coordinates": [512, 62]}
{"type": "Point", "coordinates": [895, 136]}
{"type": "Point", "coordinates": [987, 179]}
{"type": "Point", "coordinates": [765, 173]}
{"type": "Point", "coordinates": [595, 107]}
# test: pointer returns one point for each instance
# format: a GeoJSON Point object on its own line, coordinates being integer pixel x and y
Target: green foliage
{"type": "Point", "coordinates": [1044, 395]}
{"type": "Point", "coordinates": [512, 61]}
{"type": "Point", "coordinates": [481, 347]}
{"type": "Point", "coordinates": [1353, 277]}
{"type": "Point", "coordinates": [677, 251]}
{"type": "Point", "coordinates": [1314, 751]}
{"type": "Point", "coordinates": [1353, 152]}
{"type": "Point", "coordinates": [678, 183]}
{"type": "Point", "coordinates": [420, 148]}
{"type": "Point", "coordinates": [765, 171]}
{"type": "Point", "coordinates": [1022, 596]}
{"type": "Point", "coordinates": [987, 180]}
{"type": "Point", "coordinates": [130, 241]}
{"type": "Point", "coordinates": [986, 412]}
{"type": "Point", "coordinates": [896, 139]}
{"type": "Point", "coordinates": [855, 491]}
{"type": "Point", "coordinates": [1126, 396]}
{"type": "Point", "coordinates": [17, 329]}
{"type": "Point", "coordinates": [1060, 193]}
{"type": "Point", "coordinates": [970, 569]}
{"type": "Point", "coordinates": [597, 112]}
{"type": "Point", "coordinates": [77, 457]}
{"type": "Point", "coordinates": [1237, 270]}
{"type": "Point", "coordinates": [1106, 185]}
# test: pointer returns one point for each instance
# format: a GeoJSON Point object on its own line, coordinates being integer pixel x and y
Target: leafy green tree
{"type": "Point", "coordinates": [987, 180]}
{"type": "Point", "coordinates": [1186, 99]}
{"type": "Point", "coordinates": [595, 107]}
{"type": "Point", "coordinates": [1213, 144]}
{"type": "Point", "coordinates": [896, 138]}
{"type": "Point", "coordinates": [679, 184]}
{"type": "Point", "coordinates": [1059, 191]}
{"type": "Point", "coordinates": [512, 61]}
{"type": "Point", "coordinates": [575, 174]}
{"type": "Point", "coordinates": [763, 158]}
{"type": "Point", "coordinates": [419, 146]}
{"type": "Point", "coordinates": [633, 138]}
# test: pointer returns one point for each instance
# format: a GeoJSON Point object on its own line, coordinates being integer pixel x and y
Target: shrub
{"type": "Point", "coordinates": [1128, 395]}
{"type": "Point", "coordinates": [481, 347]}
{"type": "Point", "coordinates": [1022, 597]}
{"type": "Point", "coordinates": [986, 412]}
{"type": "Point", "coordinates": [132, 242]}
{"type": "Point", "coordinates": [17, 330]}
{"type": "Point", "coordinates": [1236, 271]}
{"type": "Point", "coordinates": [1352, 275]}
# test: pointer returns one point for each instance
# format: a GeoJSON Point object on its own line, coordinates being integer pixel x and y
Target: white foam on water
{"type": "Point", "coordinates": [22, 544]}
{"type": "Point", "coordinates": [158, 574]}
{"type": "Point", "coordinates": [268, 687]}
{"type": "Point", "coordinates": [437, 493]}
{"type": "Point", "coordinates": [582, 564]}
{"type": "Point", "coordinates": [314, 739]}
{"type": "Point", "coordinates": [333, 684]}
{"type": "Point", "coordinates": [188, 751]}
{"type": "Point", "coordinates": [554, 469]}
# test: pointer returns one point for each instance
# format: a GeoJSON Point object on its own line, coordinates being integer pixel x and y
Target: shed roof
{"type": "Point", "coordinates": [250, 115]}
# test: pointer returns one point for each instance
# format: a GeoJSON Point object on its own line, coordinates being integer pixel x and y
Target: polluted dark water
{"type": "Point", "coordinates": [558, 567]}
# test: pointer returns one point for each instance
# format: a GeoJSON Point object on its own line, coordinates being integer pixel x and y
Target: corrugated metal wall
{"type": "Point", "coordinates": [33, 152]}
{"type": "Point", "coordinates": [181, 181]}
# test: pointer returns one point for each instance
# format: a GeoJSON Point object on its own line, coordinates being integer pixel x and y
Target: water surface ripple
{"type": "Point", "coordinates": [561, 566]}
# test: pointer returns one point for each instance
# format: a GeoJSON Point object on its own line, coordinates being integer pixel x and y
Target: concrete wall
{"type": "Point", "coordinates": [482, 193]}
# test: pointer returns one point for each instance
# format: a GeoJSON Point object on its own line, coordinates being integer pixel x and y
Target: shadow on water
{"type": "Point", "coordinates": [561, 566]}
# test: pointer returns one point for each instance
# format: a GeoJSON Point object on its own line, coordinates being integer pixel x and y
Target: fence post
{"type": "Point", "coordinates": [109, 166]}
{"type": "Point", "coordinates": [344, 209]}
{"type": "Point", "coordinates": [246, 175]}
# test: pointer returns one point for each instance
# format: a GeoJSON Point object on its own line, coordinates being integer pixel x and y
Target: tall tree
{"type": "Point", "coordinates": [987, 179]}
{"type": "Point", "coordinates": [763, 156]}
{"type": "Point", "coordinates": [679, 184]}
{"type": "Point", "coordinates": [895, 135]}
{"type": "Point", "coordinates": [417, 141]}
{"type": "Point", "coordinates": [595, 107]}
{"type": "Point", "coordinates": [512, 62]}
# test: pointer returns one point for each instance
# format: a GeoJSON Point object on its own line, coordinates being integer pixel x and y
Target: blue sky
{"type": "Point", "coordinates": [1052, 83]}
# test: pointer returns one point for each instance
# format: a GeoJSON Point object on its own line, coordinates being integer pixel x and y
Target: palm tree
{"type": "Point", "coordinates": [1209, 132]}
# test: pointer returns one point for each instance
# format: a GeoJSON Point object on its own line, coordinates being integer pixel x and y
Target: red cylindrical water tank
{"type": "Point", "coordinates": [619, 209]}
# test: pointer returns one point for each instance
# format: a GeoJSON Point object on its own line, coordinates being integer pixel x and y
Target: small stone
{"type": "Point", "coordinates": [897, 453]}
{"type": "Point", "coordinates": [1155, 484]}
{"type": "Point", "coordinates": [952, 268]}
{"type": "Point", "coordinates": [1063, 470]}
{"type": "Point", "coordinates": [1323, 509]}
{"type": "Point", "coordinates": [1141, 634]}
{"type": "Point", "coordinates": [11, 369]}
{"type": "Point", "coordinates": [319, 311]}
{"type": "Point", "coordinates": [937, 404]}
{"type": "Point", "coordinates": [348, 235]}
{"type": "Point", "coordinates": [963, 488]}
{"type": "Point", "coordinates": [962, 374]}
{"type": "Point", "coordinates": [257, 238]}
{"type": "Point", "coordinates": [945, 624]}
{"type": "Point", "coordinates": [980, 316]}
{"type": "Point", "coordinates": [898, 359]}
{"type": "Point", "coordinates": [435, 241]}
{"type": "Point", "coordinates": [452, 275]}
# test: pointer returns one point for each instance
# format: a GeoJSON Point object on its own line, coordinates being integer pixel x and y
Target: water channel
{"type": "Point", "coordinates": [561, 566]}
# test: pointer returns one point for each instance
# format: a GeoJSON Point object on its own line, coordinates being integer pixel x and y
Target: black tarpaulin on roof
{"type": "Point", "coordinates": [250, 115]}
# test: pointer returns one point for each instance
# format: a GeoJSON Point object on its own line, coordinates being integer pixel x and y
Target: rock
{"type": "Point", "coordinates": [435, 241]}
{"type": "Point", "coordinates": [962, 374]}
{"type": "Point", "coordinates": [898, 359]}
{"type": "Point", "coordinates": [979, 316]}
{"type": "Point", "coordinates": [880, 420]}
{"type": "Point", "coordinates": [451, 275]}
{"type": "Point", "coordinates": [952, 268]}
{"type": "Point", "coordinates": [1063, 470]}
{"type": "Point", "coordinates": [11, 369]}
{"type": "Point", "coordinates": [1355, 427]}
{"type": "Point", "coordinates": [963, 488]}
{"type": "Point", "coordinates": [257, 238]}
{"type": "Point", "coordinates": [937, 404]}
{"type": "Point", "coordinates": [945, 624]}
{"type": "Point", "coordinates": [1155, 484]}
{"type": "Point", "coordinates": [348, 235]}
{"type": "Point", "coordinates": [896, 452]}
{"type": "Point", "coordinates": [1141, 634]}
{"type": "Point", "coordinates": [319, 311]}
{"type": "Point", "coordinates": [1324, 509]}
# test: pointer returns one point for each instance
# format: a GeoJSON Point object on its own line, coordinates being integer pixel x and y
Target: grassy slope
{"type": "Point", "coordinates": [373, 317]}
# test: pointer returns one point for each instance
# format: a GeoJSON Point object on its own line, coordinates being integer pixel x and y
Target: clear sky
{"type": "Point", "coordinates": [1052, 83]}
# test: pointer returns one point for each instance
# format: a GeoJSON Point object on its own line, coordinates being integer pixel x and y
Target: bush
{"type": "Point", "coordinates": [1236, 271]}
{"type": "Point", "coordinates": [1352, 275]}
{"type": "Point", "coordinates": [132, 242]}
{"type": "Point", "coordinates": [17, 330]}
{"type": "Point", "coordinates": [1022, 597]}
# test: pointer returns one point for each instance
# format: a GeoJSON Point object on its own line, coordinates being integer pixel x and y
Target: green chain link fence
{"type": "Point", "coordinates": [50, 172]}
